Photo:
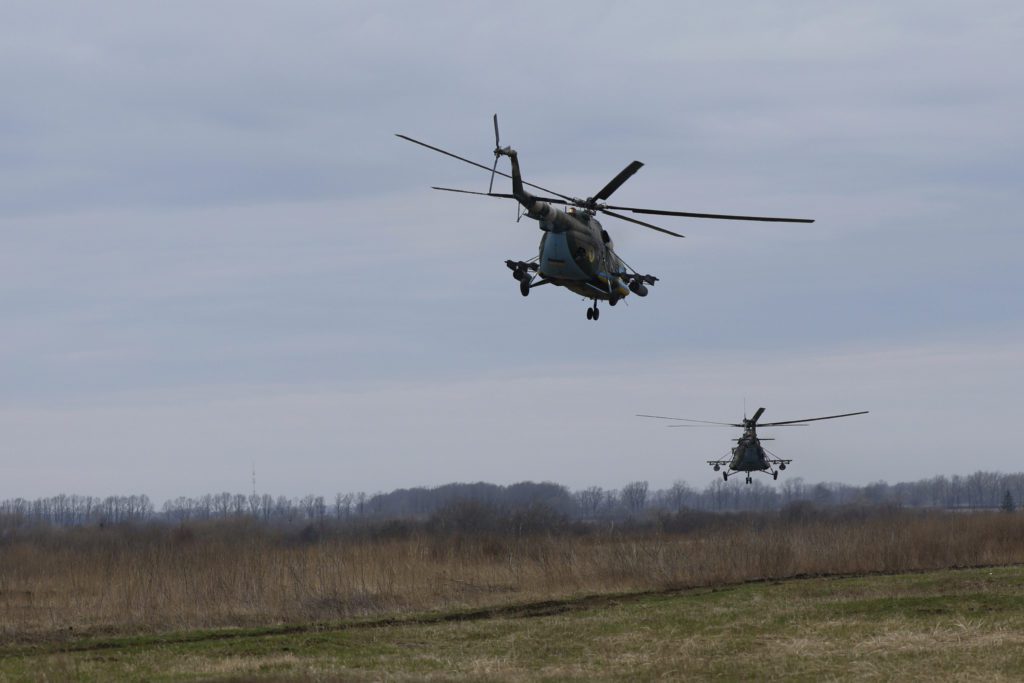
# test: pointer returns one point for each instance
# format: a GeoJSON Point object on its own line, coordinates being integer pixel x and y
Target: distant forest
{"type": "Point", "coordinates": [981, 490]}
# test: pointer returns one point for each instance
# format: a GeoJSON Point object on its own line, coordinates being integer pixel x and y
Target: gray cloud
{"type": "Point", "coordinates": [208, 198]}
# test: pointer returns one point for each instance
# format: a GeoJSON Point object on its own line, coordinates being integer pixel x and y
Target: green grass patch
{"type": "Point", "coordinates": [966, 623]}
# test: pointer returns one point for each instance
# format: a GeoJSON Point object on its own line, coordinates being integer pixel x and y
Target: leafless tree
{"type": "Point", "coordinates": [590, 500]}
{"type": "Point", "coordinates": [634, 496]}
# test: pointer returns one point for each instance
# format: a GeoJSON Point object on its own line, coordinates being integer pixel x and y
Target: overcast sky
{"type": "Point", "coordinates": [215, 254]}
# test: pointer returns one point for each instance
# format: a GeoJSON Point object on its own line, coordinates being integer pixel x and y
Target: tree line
{"type": "Point", "coordinates": [981, 490]}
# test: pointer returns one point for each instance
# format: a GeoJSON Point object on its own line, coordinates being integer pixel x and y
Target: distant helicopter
{"type": "Point", "coordinates": [575, 251]}
{"type": "Point", "coordinates": [749, 455]}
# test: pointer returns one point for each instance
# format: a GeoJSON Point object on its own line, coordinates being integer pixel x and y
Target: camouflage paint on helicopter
{"type": "Point", "coordinates": [748, 455]}
{"type": "Point", "coordinates": [576, 251]}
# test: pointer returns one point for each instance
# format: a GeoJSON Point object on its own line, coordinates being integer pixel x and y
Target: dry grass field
{"type": "Point", "coordinates": [943, 625]}
{"type": "Point", "coordinates": [74, 583]}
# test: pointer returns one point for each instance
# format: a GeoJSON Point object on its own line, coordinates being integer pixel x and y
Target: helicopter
{"type": "Point", "coordinates": [748, 455]}
{"type": "Point", "coordinates": [576, 252]}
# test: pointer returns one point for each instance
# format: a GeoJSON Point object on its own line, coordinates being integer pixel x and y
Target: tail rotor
{"type": "Point", "coordinates": [497, 154]}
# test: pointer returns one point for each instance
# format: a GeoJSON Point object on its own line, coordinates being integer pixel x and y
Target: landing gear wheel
{"type": "Point", "coordinates": [590, 314]}
{"type": "Point", "coordinates": [749, 480]}
{"type": "Point", "coordinates": [725, 475]}
{"type": "Point", "coordinates": [524, 287]}
{"type": "Point", "coordinates": [775, 475]}
{"type": "Point", "coordinates": [613, 301]}
{"type": "Point", "coordinates": [597, 312]}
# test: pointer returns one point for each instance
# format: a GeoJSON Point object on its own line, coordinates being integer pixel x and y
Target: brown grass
{"type": "Point", "coordinates": [159, 578]}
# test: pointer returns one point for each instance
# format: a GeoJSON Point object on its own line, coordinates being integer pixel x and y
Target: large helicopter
{"type": "Point", "coordinates": [748, 455]}
{"type": "Point", "coordinates": [576, 252]}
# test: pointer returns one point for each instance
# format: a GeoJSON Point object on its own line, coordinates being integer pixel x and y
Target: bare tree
{"type": "Point", "coordinates": [342, 505]}
{"type": "Point", "coordinates": [634, 496]}
{"type": "Point", "coordinates": [679, 496]}
{"type": "Point", "coordinates": [589, 500]}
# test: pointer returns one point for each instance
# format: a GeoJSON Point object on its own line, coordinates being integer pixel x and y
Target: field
{"type": "Point", "coordinates": [854, 594]}
{"type": "Point", "coordinates": [967, 624]}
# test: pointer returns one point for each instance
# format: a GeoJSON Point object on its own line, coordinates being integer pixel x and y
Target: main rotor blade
{"type": "Point", "coordinates": [699, 426]}
{"type": "Point", "coordinates": [638, 222]}
{"type": "Point", "coordinates": [500, 195]}
{"type": "Point", "coordinates": [615, 182]}
{"type": "Point", "coordinates": [686, 419]}
{"type": "Point", "coordinates": [483, 194]}
{"type": "Point", "coordinates": [723, 216]}
{"type": "Point", "coordinates": [497, 141]}
{"type": "Point", "coordinates": [810, 419]}
{"type": "Point", "coordinates": [473, 163]}
{"type": "Point", "coordinates": [778, 425]}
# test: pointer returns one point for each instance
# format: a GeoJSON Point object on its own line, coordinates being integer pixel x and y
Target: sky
{"type": "Point", "coordinates": [215, 255]}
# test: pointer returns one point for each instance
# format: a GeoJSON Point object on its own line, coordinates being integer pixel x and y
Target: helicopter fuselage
{"type": "Point", "coordinates": [575, 251]}
{"type": "Point", "coordinates": [748, 454]}
{"type": "Point", "coordinates": [573, 254]}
